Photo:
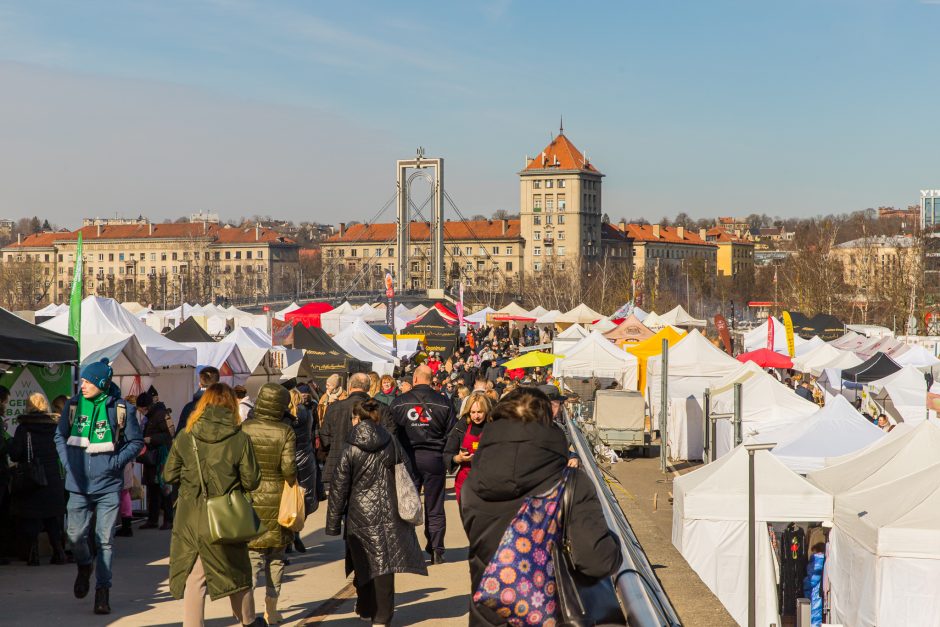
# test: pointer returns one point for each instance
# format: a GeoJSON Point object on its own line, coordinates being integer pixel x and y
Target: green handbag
{"type": "Point", "coordinates": [232, 519]}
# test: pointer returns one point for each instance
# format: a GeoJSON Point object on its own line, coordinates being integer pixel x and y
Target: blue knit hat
{"type": "Point", "coordinates": [98, 373]}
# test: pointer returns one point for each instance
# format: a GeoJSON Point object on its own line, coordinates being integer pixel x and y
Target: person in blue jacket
{"type": "Point", "coordinates": [97, 436]}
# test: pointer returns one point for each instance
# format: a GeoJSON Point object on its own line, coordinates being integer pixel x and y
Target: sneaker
{"type": "Point", "coordinates": [82, 581]}
{"type": "Point", "coordinates": [102, 605]}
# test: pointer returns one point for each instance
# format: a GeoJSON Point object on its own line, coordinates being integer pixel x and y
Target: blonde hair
{"type": "Point", "coordinates": [478, 399]}
{"type": "Point", "coordinates": [37, 403]}
{"type": "Point", "coordinates": [296, 400]}
{"type": "Point", "coordinates": [375, 384]}
{"type": "Point", "coordinates": [216, 395]}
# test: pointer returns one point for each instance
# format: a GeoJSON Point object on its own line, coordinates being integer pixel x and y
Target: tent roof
{"type": "Point", "coordinates": [253, 343]}
{"type": "Point", "coordinates": [757, 337]}
{"type": "Point", "coordinates": [876, 367]}
{"type": "Point", "coordinates": [548, 317]}
{"type": "Point", "coordinates": [479, 317]}
{"type": "Point", "coordinates": [679, 317]}
{"type": "Point", "coordinates": [538, 312]}
{"type": "Point", "coordinates": [818, 357]}
{"type": "Point", "coordinates": [309, 314]}
{"type": "Point", "coordinates": [189, 331]}
{"type": "Point", "coordinates": [217, 354]}
{"type": "Point", "coordinates": [912, 451]}
{"type": "Point", "coordinates": [896, 519]}
{"type": "Point", "coordinates": [574, 331]}
{"type": "Point", "coordinates": [825, 326]}
{"type": "Point", "coordinates": [882, 344]}
{"type": "Point", "coordinates": [802, 348]}
{"type": "Point", "coordinates": [582, 314]}
{"type": "Point", "coordinates": [603, 325]}
{"type": "Point", "coordinates": [106, 316]}
{"type": "Point", "coordinates": [512, 309]}
{"type": "Point", "coordinates": [631, 330]}
{"type": "Point", "coordinates": [653, 345]}
{"type": "Point", "coordinates": [907, 391]}
{"type": "Point", "coordinates": [279, 314]}
{"type": "Point", "coordinates": [766, 404]}
{"type": "Point", "coordinates": [766, 358]}
{"type": "Point", "coordinates": [718, 491]}
{"type": "Point", "coordinates": [836, 429]}
{"type": "Point", "coordinates": [594, 355]}
{"type": "Point", "coordinates": [51, 310]}
{"type": "Point", "coordinates": [22, 342]}
{"type": "Point", "coordinates": [916, 356]}
{"type": "Point", "coordinates": [695, 356]}
{"type": "Point", "coordinates": [432, 318]}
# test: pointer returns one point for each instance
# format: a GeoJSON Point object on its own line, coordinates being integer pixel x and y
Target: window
{"type": "Point", "coordinates": [482, 252]}
{"type": "Point", "coordinates": [120, 270]}
{"type": "Point", "coordinates": [537, 220]}
{"type": "Point", "coordinates": [508, 266]}
{"type": "Point", "coordinates": [391, 252]}
{"type": "Point", "coordinates": [537, 251]}
{"type": "Point", "coordinates": [548, 219]}
{"type": "Point", "coordinates": [537, 235]}
{"type": "Point", "coordinates": [561, 235]}
{"type": "Point", "coordinates": [248, 255]}
{"type": "Point", "coordinates": [537, 265]}
{"type": "Point", "coordinates": [342, 252]}
{"type": "Point", "coordinates": [509, 250]}
{"type": "Point", "coordinates": [228, 254]}
{"type": "Point", "coordinates": [456, 250]}
{"type": "Point", "coordinates": [175, 256]}
{"type": "Point", "coordinates": [47, 257]}
{"type": "Point", "coordinates": [175, 269]}
{"type": "Point", "coordinates": [549, 203]}
{"type": "Point", "coordinates": [352, 253]}
{"type": "Point", "coordinates": [560, 251]}
{"type": "Point", "coordinates": [495, 250]}
{"type": "Point", "coordinates": [548, 183]}
{"type": "Point", "coordinates": [562, 205]}
{"type": "Point", "coordinates": [469, 250]}
{"type": "Point", "coordinates": [469, 265]}
{"type": "Point", "coordinates": [218, 255]}
{"type": "Point", "coordinates": [561, 219]}
{"type": "Point", "coordinates": [414, 266]}
{"type": "Point", "coordinates": [429, 268]}
{"type": "Point", "coordinates": [162, 257]}
{"type": "Point", "coordinates": [238, 254]}
{"type": "Point", "coordinates": [100, 257]}
{"type": "Point", "coordinates": [60, 258]}
{"type": "Point", "coordinates": [110, 257]}
{"type": "Point", "coordinates": [561, 182]}
{"type": "Point", "coordinates": [378, 252]}
{"type": "Point", "coordinates": [480, 266]}
{"type": "Point", "coordinates": [260, 254]}
{"type": "Point", "coordinates": [537, 184]}
{"type": "Point", "coordinates": [537, 202]}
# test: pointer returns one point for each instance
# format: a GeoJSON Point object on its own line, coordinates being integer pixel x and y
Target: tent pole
{"type": "Point", "coordinates": [663, 406]}
{"type": "Point", "coordinates": [706, 430]}
{"type": "Point", "coordinates": [738, 437]}
{"type": "Point", "coordinates": [751, 544]}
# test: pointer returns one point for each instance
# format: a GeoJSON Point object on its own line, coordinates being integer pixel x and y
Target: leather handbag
{"type": "Point", "coordinates": [583, 601]}
{"type": "Point", "coordinates": [232, 519]}
{"type": "Point", "coordinates": [31, 474]}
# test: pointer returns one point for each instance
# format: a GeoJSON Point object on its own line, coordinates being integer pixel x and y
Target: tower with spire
{"type": "Point", "coordinates": [560, 208]}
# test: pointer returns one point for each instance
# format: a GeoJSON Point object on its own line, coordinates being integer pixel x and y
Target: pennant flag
{"type": "Point", "coordinates": [770, 333]}
{"type": "Point", "coordinates": [75, 300]}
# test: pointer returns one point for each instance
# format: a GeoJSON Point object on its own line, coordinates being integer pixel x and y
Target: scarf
{"type": "Point", "coordinates": [92, 429]}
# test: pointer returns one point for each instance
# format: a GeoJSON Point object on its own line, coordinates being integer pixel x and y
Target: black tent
{"type": "Point", "coordinates": [801, 325]}
{"type": "Point", "coordinates": [323, 356]}
{"type": "Point", "coordinates": [439, 335]}
{"type": "Point", "coordinates": [876, 367]}
{"type": "Point", "coordinates": [25, 343]}
{"type": "Point", "coordinates": [826, 326]}
{"type": "Point", "coordinates": [189, 331]}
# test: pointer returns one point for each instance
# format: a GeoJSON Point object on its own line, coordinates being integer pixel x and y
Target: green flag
{"type": "Point", "coordinates": [75, 300]}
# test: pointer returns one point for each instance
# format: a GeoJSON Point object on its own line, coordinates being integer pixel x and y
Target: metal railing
{"type": "Point", "coordinates": [641, 596]}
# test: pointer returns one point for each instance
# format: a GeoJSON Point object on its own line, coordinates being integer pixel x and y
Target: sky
{"type": "Point", "coordinates": [299, 109]}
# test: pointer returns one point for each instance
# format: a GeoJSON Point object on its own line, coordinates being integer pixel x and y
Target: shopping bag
{"type": "Point", "coordinates": [291, 512]}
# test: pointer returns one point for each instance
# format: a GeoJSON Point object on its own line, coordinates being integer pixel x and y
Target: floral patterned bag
{"type": "Point", "coordinates": [519, 582]}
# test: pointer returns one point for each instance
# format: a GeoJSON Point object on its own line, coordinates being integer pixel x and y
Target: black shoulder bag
{"type": "Point", "coordinates": [583, 601]}
{"type": "Point", "coordinates": [30, 475]}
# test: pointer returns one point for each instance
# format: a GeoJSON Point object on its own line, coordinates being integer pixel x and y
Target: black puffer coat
{"type": "Point", "coordinates": [307, 468]}
{"type": "Point", "coordinates": [378, 542]}
{"type": "Point", "coordinates": [336, 426]}
{"type": "Point", "coordinates": [515, 460]}
{"type": "Point", "coordinates": [273, 442]}
{"type": "Point", "coordinates": [160, 432]}
{"type": "Point", "coordinates": [41, 502]}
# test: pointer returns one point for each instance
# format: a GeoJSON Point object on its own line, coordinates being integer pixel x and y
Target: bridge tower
{"type": "Point", "coordinates": [431, 170]}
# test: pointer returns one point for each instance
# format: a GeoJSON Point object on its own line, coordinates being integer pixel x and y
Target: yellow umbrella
{"type": "Point", "coordinates": [531, 360]}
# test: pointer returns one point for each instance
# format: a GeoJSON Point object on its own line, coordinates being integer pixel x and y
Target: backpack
{"type": "Point", "coordinates": [120, 409]}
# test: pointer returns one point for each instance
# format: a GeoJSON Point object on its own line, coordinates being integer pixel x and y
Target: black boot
{"type": "Point", "coordinates": [258, 622]}
{"type": "Point", "coordinates": [33, 558]}
{"type": "Point", "coordinates": [126, 531]}
{"type": "Point", "coordinates": [82, 581]}
{"type": "Point", "coordinates": [299, 544]}
{"type": "Point", "coordinates": [102, 605]}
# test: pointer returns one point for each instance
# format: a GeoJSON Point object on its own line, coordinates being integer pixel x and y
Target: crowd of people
{"type": "Point", "coordinates": [69, 471]}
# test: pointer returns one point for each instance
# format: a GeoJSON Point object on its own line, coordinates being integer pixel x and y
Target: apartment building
{"type": "Point", "coordinates": [161, 263]}
{"type": "Point", "coordinates": [735, 255]}
{"type": "Point", "coordinates": [872, 262]}
{"type": "Point", "coordinates": [668, 246]}
{"type": "Point", "coordinates": [483, 254]}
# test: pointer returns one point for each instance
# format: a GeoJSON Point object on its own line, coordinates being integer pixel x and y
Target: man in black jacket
{"type": "Point", "coordinates": [424, 418]}
{"type": "Point", "coordinates": [337, 423]}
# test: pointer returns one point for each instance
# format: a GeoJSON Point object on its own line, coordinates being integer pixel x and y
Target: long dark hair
{"type": "Point", "coordinates": [368, 410]}
{"type": "Point", "coordinates": [525, 404]}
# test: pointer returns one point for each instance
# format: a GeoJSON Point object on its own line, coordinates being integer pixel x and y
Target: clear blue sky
{"type": "Point", "coordinates": [299, 109]}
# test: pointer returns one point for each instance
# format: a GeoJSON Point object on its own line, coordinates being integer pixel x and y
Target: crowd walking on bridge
{"type": "Point", "coordinates": [222, 476]}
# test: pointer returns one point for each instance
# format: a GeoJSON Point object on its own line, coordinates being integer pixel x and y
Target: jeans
{"type": "Point", "coordinates": [271, 563]}
{"type": "Point", "coordinates": [79, 511]}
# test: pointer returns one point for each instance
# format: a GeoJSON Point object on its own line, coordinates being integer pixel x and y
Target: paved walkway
{"type": "Point", "coordinates": [315, 591]}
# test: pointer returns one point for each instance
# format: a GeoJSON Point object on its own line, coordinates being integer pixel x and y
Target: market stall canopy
{"type": "Point", "coordinates": [352, 342]}
{"type": "Point", "coordinates": [896, 457]}
{"type": "Point", "coordinates": [22, 342]}
{"type": "Point", "coordinates": [877, 367]}
{"type": "Point", "coordinates": [902, 394]}
{"type": "Point", "coordinates": [826, 326]}
{"type": "Point", "coordinates": [52, 310]}
{"type": "Point", "coordinates": [439, 335]}
{"type": "Point", "coordinates": [189, 331]}
{"type": "Point", "coordinates": [679, 317]}
{"type": "Point", "coordinates": [323, 356]}
{"type": "Point", "coordinates": [479, 317]}
{"type": "Point", "coordinates": [227, 357]}
{"type": "Point", "coordinates": [513, 309]}
{"type": "Point", "coordinates": [582, 314]}
{"type": "Point", "coordinates": [106, 316]}
{"type": "Point", "coordinates": [801, 325]}
{"type": "Point", "coordinates": [652, 345]}
{"type": "Point", "coordinates": [916, 356]}
{"type": "Point", "coordinates": [884, 345]}
{"type": "Point", "coordinates": [603, 325]}
{"type": "Point", "coordinates": [766, 358]}
{"type": "Point", "coordinates": [630, 331]}
{"type": "Point", "coordinates": [538, 312]}
{"type": "Point", "coordinates": [308, 315]}
{"type": "Point", "coordinates": [836, 429]}
{"type": "Point", "coordinates": [595, 356]}
{"type": "Point", "coordinates": [759, 337]}
{"type": "Point", "coordinates": [809, 345]}
{"type": "Point", "coordinates": [819, 358]}
{"type": "Point", "coordinates": [445, 313]}
{"type": "Point", "coordinates": [253, 343]}
{"type": "Point", "coordinates": [279, 314]}
{"type": "Point", "coordinates": [848, 340]}
{"type": "Point", "coordinates": [548, 317]}
{"type": "Point", "coordinates": [567, 338]}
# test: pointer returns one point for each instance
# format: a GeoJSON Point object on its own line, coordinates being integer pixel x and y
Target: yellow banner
{"type": "Point", "coordinates": [788, 325]}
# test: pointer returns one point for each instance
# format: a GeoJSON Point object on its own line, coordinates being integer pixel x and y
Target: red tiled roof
{"type": "Point", "coordinates": [609, 231]}
{"type": "Point", "coordinates": [421, 231]}
{"type": "Point", "coordinates": [560, 154]}
{"type": "Point", "coordinates": [718, 234]}
{"type": "Point", "coordinates": [220, 234]}
{"type": "Point", "coordinates": [644, 233]}
{"type": "Point", "coordinates": [309, 253]}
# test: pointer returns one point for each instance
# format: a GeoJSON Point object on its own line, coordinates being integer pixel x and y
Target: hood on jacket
{"type": "Point", "coordinates": [516, 457]}
{"type": "Point", "coordinates": [215, 424]}
{"type": "Point", "coordinates": [368, 436]}
{"type": "Point", "coordinates": [272, 402]}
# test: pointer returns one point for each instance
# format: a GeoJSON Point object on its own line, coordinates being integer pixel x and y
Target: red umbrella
{"type": "Point", "coordinates": [766, 358]}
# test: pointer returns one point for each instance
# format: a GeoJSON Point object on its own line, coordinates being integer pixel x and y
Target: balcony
{"type": "Point", "coordinates": [548, 241]}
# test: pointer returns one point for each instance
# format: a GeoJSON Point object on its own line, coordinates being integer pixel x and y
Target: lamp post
{"type": "Point", "coordinates": [751, 530]}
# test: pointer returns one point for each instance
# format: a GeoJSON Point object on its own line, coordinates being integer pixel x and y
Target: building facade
{"type": "Point", "coordinates": [929, 209]}
{"type": "Point", "coordinates": [876, 262]}
{"type": "Point", "coordinates": [735, 255]}
{"type": "Point", "coordinates": [668, 246]}
{"type": "Point", "coordinates": [159, 264]}
{"type": "Point", "coordinates": [484, 255]}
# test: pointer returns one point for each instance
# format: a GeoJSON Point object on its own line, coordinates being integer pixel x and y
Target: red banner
{"type": "Point", "coordinates": [770, 333]}
{"type": "Point", "coordinates": [722, 325]}
{"type": "Point", "coordinates": [282, 333]}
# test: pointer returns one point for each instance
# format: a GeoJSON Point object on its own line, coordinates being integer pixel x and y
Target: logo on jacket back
{"type": "Point", "coordinates": [419, 414]}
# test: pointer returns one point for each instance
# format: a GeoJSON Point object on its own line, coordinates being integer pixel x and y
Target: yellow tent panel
{"type": "Point", "coordinates": [651, 347]}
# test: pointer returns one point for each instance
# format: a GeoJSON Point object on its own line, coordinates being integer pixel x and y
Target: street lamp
{"type": "Point", "coordinates": [751, 529]}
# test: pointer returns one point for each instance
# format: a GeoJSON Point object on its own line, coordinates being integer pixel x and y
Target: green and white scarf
{"type": "Point", "coordinates": [92, 429]}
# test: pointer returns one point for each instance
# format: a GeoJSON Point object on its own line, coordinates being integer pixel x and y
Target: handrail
{"type": "Point", "coordinates": [640, 594]}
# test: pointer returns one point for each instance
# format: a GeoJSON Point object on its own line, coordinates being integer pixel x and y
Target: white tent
{"type": "Point", "coordinates": [603, 325]}
{"type": "Point", "coordinates": [337, 319]}
{"type": "Point", "coordinates": [818, 358]}
{"type": "Point", "coordinates": [226, 356]}
{"type": "Point", "coordinates": [51, 310]}
{"type": "Point", "coordinates": [902, 395]}
{"type": "Point", "coordinates": [538, 312]}
{"type": "Point", "coordinates": [836, 429]}
{"type": "Point", "coordinates": [841, 362]}
{"type": "Point", "coordinates": [709, 525]}
{"type": "Point", "coordinates": [582, 314]}
{"type": "Point", "coordinates": [757, 337]}
{"type": "Point", "coordinates": [171, 360]}
{"type": "Point", "coordinates": [679, 317]}
{"type": "Point", "coordinates": [766, 407]}
{"type": "Point", "coordinates": [566, 339]}
{"type": "Point", "coordinates": [653, 321]}
{"type": "Point", "coordinates": [479, 317]}
{"type": "Point", "coordinates": [807, 345]}
{"type": "Point", "coordinates": [596, 356]}
{"type": "Point", "coordinates": [255, 346]}
{"type": "Point", "coordinates": [916, 356]}
{"type": "Point", "coordinates": [548, 317]}
{"type": "Point", "coordinates": [378, 343]}
{"type": "Point", "coordinates": [694, 364]}
{"type": "Point", "coordinates": [851, 341]}
{"type": "Point", "coordinates": [885, 553]}
{"type": "Point", "coordinates": [513, 309]}
{"type": "Point", "coordinates": [382, 361]}
{"type": "Point", "coordinates": [279, 314]}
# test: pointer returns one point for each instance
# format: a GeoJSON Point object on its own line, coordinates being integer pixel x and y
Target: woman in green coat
{"type": "Point", "coordinates": [228, 462]}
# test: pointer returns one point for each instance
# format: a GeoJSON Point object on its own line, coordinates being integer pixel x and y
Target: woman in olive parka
{"type": "Point", "coordinates": [228, 462]}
